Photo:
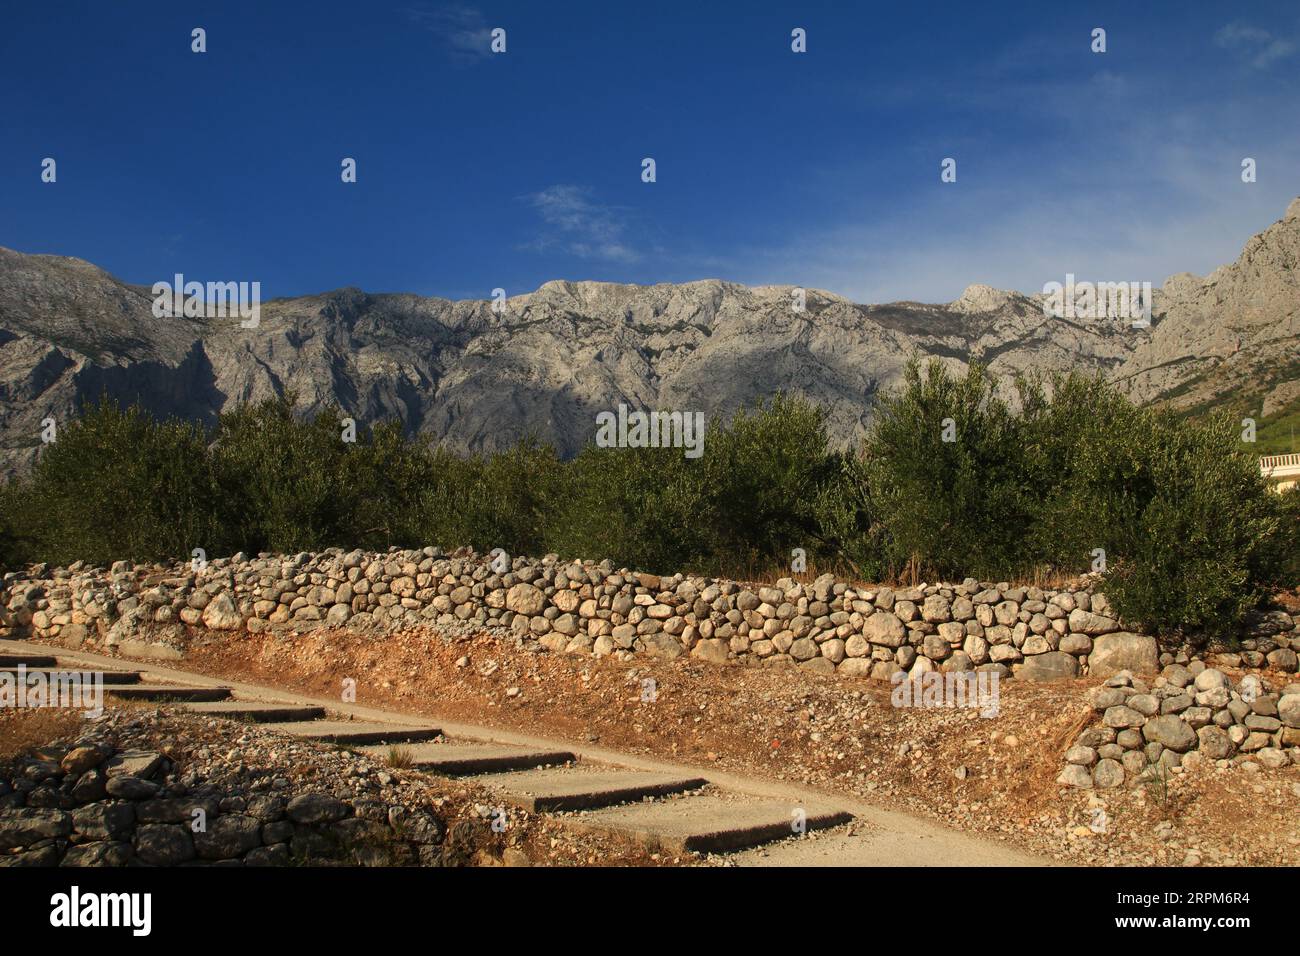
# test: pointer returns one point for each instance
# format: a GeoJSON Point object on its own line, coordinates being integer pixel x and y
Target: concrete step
{"type": "Point", "coordinates": [108, 677]}
{"type": "Point", "coordinates": [468, 758]}
{"type": "Point", "coordinates": [29, 660]}
{"type": "Point", "coordinates": [710, 823]}
{"type": "Point", "coordinates": [167, 692]}
{"type": "Point", "coordinates": [257, 711]}
{"type": "Point", "coordinates": [583, 787]}
{"type": "Point", "coordinates": [356, 732]}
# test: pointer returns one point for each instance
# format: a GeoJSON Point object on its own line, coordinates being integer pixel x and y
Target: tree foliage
{"type": "Point", "coordinates": [953, 479]}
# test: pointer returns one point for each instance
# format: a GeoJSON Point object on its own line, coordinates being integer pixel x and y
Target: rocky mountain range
{"type": "Point", "coordinates": [477, 379]}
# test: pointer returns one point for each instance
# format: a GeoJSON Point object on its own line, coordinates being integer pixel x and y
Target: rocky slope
{"type": "Point", "coordinates": [555, 357]}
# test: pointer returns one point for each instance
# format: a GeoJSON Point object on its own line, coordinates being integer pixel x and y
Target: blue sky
{"type": "Point", "coordinates": [478, 170]}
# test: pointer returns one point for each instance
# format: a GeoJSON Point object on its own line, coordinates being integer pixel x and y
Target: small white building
{"type": "Point", "coordinates": [1282, 471]}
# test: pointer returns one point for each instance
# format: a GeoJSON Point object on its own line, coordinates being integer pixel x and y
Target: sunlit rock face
{"type": "Point", "coordinates": [545, 365]}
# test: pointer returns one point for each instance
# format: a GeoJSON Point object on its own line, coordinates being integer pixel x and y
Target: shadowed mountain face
{"type": "Point", "coordinates": [477, 380]}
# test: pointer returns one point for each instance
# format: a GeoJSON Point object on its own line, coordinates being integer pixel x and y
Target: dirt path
{"type": "Point", "coordinates": [876, 836]}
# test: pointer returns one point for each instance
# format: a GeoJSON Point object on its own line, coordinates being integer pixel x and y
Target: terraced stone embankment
{"type": "Point", "coordinates": [1184, 716]}
{"type": "Point", "coordinates": [825, 625]}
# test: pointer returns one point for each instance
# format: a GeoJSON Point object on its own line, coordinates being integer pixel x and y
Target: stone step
{"type": "Point", "coordinates": [709, 823]}
{"type": "Point", "coordinates": [468, 758]}
{"type": "Point", "coordinates": [108, 677]}
{"type": "Point", "coordinates": [167, 692]}
{"type": "Point", "coordinates": [28, 660]}
{"type": "Point", "coordinates": [257, 711]}
{"type": "Point", "coordinates": [582, 788]}
{"type": "Point", "coordinates": [356, 732]}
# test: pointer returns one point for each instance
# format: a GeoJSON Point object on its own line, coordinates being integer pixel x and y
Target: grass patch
{"type": "Point", "coordinates": [400, 758]}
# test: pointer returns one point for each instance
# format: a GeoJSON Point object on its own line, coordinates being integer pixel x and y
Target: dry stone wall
{"type": "Point", "coordinates": [826, 625]}
{"type": "Point", "coordinates": [1184, 716]}
{"type": "Point", "coordinates": [110, 799]}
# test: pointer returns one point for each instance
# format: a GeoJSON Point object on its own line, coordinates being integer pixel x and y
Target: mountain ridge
{"type": "Point", "coordinates": [478, 379]}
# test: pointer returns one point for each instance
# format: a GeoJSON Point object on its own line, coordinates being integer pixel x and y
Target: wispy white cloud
{"type": "Point", "coordinates": [1128, 188]}
{"type": "Point", "coordinates": [579, 226]}
{"type": "Point", "coordinates": [463, 31]}
{"type": "Point", "coordinates": [1261, 48]}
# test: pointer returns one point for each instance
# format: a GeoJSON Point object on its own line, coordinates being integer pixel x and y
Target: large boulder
{"type": "Point", "coordinates": [884, 628]}
{"type": "Point", "coordinates": [525, 599]}
{"type": "Point", "coordinates": [1123, 651]}
{"type": "Point", "coordinates": [112, 822]}
{"type": "Point", "coordinates": [936, 609]}
{"type": "Point", "coordinates": [316, 808]}
{"type": "Point", "coordinates": [1288, 710]}
{"type": "Point", "coordinates": [713, 650]}
{"type": "Point", "coordinates": [855, 667]}
{"type": "Point", "coordinates": [1215, 743]}
{"type": "Point", "coordinates": [24, 826]}
{"type": "Point", "coordinates": [1283, 659]}
{"type": "Point", "coordinates": [1050, 666]}
{"type": "Point", "coordinates": [228, 837]}
{"type": "Point", "coordinates": [220, 614]}
{"type": "Point", "coordinates": [1212, 679]}
{"type": "Point", "coordinates": [1108, 774]}
{"type": "Point", "coordinates": [664, 645]}
{"type": "Point", "coordinates": [1171, 731]}
{"type": "Point", "coordinates": [1085, 622]}
{"type": "Point", "coordinates": [804, 649]}
{"type": "Point", "coordinates": [163, 844]}
{"type": "Point", "coordinates": [1121, 717]}
{"type": "Point", "coordinates": [1075, 775]}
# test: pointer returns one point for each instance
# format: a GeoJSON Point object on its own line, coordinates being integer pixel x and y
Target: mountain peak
{"type": "Point", "coordinates": [70, 332]}
{"type": "Point", "coordinates": [982, 298]}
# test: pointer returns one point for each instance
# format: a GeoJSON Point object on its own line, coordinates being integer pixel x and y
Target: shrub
{"type": "Point", "coordinates": [115, 484]}
{"type": "Point", "coordinates": [1284, 556]}
{"type": "Point", "coordinates": [951, 507]}
{"type": "Point", "coordinates": [647, 508]}
{"type": "Point", "coordinates": [843, 511]}
{"type": "Point", "coordinates": [749, 500]}
{"type": "Point", "coordinates": [1191, 535]}
{"type": "Point", "coordinates": [1083, 448]}
{"type": "Point", "coordinates": [1203, 543]}
{"type": "Point", "coordinates": [386, 475]}
{"type": "Point", "coordinates": [16, 547]}
{"type": "Point", "coordinates": [284, 483]}
{"type": "Point", "coordinates": [766, 469]}
{"type": "Point", "coordinates": [494, 501]}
